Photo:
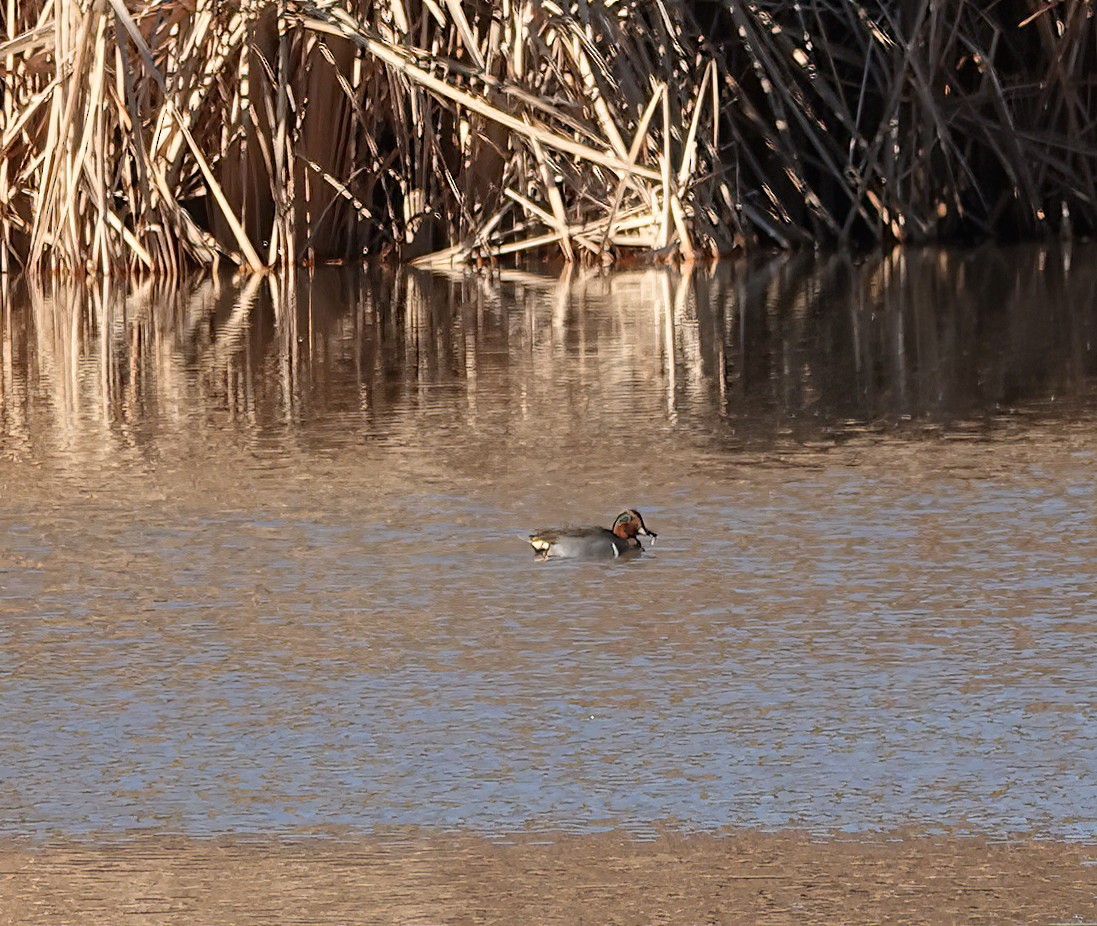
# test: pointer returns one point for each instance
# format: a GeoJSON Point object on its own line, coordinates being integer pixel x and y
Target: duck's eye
{"type": "Point", "coordinates": [624, 519]}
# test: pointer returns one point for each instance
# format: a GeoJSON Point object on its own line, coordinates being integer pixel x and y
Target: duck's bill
{"type": "Point", "coordinates": [650, 534]}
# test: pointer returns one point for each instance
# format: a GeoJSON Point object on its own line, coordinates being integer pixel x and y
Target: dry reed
{"type": "Point", "coordinates": [908, 120]}
{"type": "Point", "coordinates": [146, 135]}
{"type": "Point", "coordinates": [155, 134]}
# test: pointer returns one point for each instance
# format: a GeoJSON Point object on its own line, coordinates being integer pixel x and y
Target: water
{"type": "Point", "coordinates": [263, 564]}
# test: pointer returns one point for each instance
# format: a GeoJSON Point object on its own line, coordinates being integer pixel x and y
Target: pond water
{"type": "Point", "coordinates": [263, 565]}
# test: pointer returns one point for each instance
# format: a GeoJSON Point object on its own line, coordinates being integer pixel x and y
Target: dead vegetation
{"type": "Point", "coordinates": [909, 120]}
{"type": "Point", "coordinates": [147, 135]}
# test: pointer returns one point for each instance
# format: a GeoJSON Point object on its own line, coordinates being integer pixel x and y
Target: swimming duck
{"type": "Point", "coordinates": [593, 542]}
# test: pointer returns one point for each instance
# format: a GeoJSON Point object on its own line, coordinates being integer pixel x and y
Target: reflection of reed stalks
{"type": "Point", "coordinates": [931, 335]}
{"type": "Point", "coordinates": [93, 350]}
{"type": "Point", "coordinates": [772, 345]}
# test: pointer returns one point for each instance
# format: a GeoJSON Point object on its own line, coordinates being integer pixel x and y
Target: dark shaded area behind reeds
{"type": "Point", "coordinates": [909, 119]}
{"type": "Point", "coordinates": [148, 136]}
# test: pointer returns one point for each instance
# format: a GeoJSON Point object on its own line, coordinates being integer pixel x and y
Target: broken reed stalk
{"type": "Point", "coordinates": [146, 135]}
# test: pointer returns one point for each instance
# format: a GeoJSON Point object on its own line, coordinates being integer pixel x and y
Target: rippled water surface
{"type": "Point", "coordinates": [263, 563]}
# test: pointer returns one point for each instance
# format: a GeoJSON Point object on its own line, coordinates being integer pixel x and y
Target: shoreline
{"type": "Point", "coordinates": [740, 877]}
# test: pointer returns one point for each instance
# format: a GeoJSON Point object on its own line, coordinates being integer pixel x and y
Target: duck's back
{"type": "Point", "coordinates": [586, 542]}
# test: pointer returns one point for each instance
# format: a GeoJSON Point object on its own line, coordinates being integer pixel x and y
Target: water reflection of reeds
{"type": "Point", "coordinates": [797, 347]}
{"type": "Point", "coordinates": [926, 335]}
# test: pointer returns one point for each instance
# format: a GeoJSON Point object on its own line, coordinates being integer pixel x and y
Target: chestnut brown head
{"type": "Point", "coordinates": [629, 523]}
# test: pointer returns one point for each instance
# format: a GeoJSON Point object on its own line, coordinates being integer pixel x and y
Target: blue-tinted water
{"type": "Point", "coordinates": [274, 579]}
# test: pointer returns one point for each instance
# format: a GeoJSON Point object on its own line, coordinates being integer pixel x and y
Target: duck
{"type": "Point", "coordinates": [593, 542]}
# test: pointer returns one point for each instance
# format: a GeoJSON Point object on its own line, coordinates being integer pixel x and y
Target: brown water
{"type": "Point", "coordinates": [263, 564]}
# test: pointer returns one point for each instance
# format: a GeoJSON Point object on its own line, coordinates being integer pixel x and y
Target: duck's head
{"type": "Point", "coordinates": [629, 523]}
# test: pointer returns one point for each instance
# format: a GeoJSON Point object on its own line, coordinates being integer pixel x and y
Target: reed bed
{"type": "Point", "coordinates": [155, 134]}
{"type": "Point", "coordinates": [908, 120]}
{"type": "Point", "coordinates": [149, 135]}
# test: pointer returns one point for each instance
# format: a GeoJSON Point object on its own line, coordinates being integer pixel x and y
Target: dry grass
{"type": "Point", "coordinates": [909, 120]}
{"type": "Point", "coordinates": [153, 134]}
